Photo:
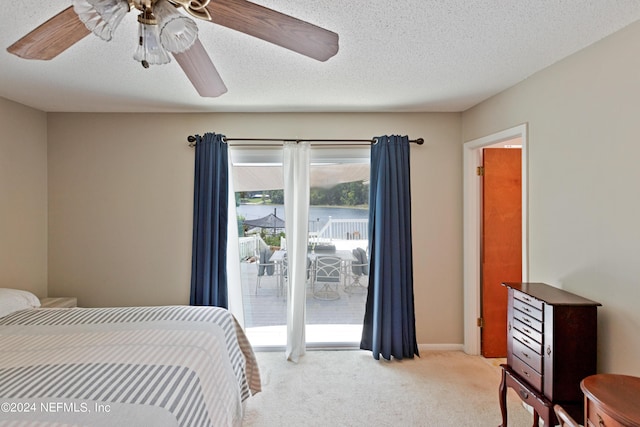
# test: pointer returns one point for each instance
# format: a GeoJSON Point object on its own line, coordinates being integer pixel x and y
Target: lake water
{"type": "Point", "coordinates": [318, 215]}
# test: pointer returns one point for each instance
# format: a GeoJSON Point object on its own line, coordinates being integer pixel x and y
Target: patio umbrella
{"type": "Point", "coordinates": [269, 221]}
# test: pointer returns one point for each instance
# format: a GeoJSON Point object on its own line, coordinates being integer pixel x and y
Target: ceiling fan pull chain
{"type": "Point", "coordinates": [150, 50]}
{"type": "Point", "coordinates": [141, 41]}
{"type": "Point", "coordinates": [144, 62]}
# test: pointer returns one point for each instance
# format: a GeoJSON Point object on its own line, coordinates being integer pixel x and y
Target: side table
{"type": "Point", "coordinates": [61, 302]}
{"type": "Point", "coordinates": [611, 400]}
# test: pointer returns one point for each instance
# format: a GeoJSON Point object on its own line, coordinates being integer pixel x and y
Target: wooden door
{"type": "Point", "coordinates": [501, 242]}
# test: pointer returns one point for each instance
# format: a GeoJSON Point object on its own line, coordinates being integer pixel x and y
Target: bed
{"type": "Point", "coordinates": [152, 366]}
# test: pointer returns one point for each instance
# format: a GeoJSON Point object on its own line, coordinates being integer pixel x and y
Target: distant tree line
{"type": "Point", "coordinates": [346, 194]}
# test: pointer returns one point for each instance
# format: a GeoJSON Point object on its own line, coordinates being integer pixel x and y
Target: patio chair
{"type": "Point", "coordinates": [564, 418]}
{"type": "Point", "coordinates": [264, 265]}
{"type": "Point", "coordinates": [359, 268]}
{"type": "Point", "coordinates": [284, 272]}
{"type": "Point", "coordinates": [328, 276]}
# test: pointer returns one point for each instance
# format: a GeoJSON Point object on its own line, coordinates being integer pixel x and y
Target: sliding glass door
{"type": "Point", "coordinates": [338, 232]}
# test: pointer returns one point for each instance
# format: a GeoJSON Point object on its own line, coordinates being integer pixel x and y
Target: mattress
{"type": "Point", "coordinates": [133, 366]}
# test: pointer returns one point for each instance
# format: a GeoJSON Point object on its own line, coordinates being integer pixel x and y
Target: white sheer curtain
{"type": "Point", "coordinates": [296, 161]}
{"type": "Point", "coordinates": [234, 284]}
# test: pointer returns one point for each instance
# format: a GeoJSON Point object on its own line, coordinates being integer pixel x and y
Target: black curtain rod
{"type": "Point", "coordinates": [192, 141]}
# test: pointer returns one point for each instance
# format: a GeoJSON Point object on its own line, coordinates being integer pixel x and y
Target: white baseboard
{"type": "Point", "coordinates": [355, 346]}
{"type": "Point", "coordinates": [440, 347]}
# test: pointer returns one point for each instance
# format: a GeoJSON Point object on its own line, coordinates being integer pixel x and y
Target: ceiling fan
{"type": "Point", "coordinates": [166, 26]}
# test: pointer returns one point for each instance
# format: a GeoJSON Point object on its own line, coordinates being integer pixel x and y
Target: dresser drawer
{"type": "Point", "coordinates": [531, 398]}
{"type": "Point", "coordinates": [528, 329]}
{"type": "Point", "coordinates": [528, 341]}
{"type": "Point", "coordinates": [527, 309]}
{"type": "Point", "coordinates": [597, 418]}
{"type": "Point", "coordinates": [526, 373]}
{"type": "Point", "coordinates": [528, 299]}
{"type": "Point", "coordinates": [528, 320]}
{"type": "Point", "coordinates": [527, 355]}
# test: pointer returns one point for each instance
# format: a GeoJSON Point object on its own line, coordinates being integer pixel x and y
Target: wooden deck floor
{"type": "Point", "coordinates": [268, 308]}
{"type": "Point", "coordinates": [336, 321]}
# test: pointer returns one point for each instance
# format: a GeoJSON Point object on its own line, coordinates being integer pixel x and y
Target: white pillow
{"type": "Point", "coordinates": [14, 299]}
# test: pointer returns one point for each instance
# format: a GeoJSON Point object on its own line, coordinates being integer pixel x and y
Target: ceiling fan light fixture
{"type": "Point", "coordinates": [101, 17]}
{"type": "Point", "coordinates": [149, 51]}
{"type": "Point", "coordinates": [178, 32]}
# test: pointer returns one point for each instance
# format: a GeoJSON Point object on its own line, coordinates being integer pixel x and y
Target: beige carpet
{"type": "Point", "coordinates": [350, 388]}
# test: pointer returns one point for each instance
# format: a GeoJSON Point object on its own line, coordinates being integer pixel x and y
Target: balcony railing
{"type": "Point", "coordinates": [341, 229]}
{"type": "Point", "coordinates": [250, 245]}
{"type": "Point", "coordinates": [334, 229]}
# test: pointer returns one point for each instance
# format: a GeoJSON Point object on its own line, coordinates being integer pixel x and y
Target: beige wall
{"type": "Point", "coordinates": [584, 199]}
{"type": "Point", "coordinates": [120, 203]}
{"type": "Point", "coordinates": [119, 189]}
{"type": "Point", "coordinates": [23, 198]}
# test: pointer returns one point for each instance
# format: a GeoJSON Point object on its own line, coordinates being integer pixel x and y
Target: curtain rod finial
{"type": "Point", "coordinates": [420, 141]}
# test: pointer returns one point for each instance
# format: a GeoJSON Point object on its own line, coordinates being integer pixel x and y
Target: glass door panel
{"type": "Point", "coordinates": [338, 238]}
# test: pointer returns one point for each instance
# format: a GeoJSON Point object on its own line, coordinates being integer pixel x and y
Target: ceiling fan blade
{"type": "Point", "coordinates": [51, 38]}
{"type": "Point", "coordinates": [199, 68]}
{"type": "Point", "coordinates": [275, 27]}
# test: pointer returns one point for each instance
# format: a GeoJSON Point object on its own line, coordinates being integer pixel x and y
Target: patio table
{"type": "Point", "coordinates": [345, 255]}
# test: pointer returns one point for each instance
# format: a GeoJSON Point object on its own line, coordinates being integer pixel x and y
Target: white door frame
{"type": "Point", "coordinates": [472, 158]}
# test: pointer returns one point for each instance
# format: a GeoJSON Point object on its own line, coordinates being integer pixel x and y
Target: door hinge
{"type": "Point", "coordinates": [480, 322]}
{"type": "Point", "coordinates": [480, 170]}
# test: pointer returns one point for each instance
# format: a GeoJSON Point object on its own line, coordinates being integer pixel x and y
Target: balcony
{"type": "Point", "coordinates": [333, 323]}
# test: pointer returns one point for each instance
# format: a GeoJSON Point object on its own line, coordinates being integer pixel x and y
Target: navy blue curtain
{"type": "Point", "coordinates": [389, 321]}
{"type": "Point", "coordinates": [210, 200]}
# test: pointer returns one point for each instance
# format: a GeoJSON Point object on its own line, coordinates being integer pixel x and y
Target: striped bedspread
{"type": "Point", "coordinates": [130, 366]}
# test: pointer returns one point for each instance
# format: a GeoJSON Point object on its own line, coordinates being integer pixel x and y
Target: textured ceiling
{"type": "Point", "coordinates": [403, 55]}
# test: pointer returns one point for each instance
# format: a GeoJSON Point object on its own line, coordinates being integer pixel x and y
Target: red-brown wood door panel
{"type": "Point", "coordinates": [501, 242]}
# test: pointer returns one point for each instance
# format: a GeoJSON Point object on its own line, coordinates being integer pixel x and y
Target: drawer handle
{"type": "Point", "coordinates": [526, 330]}
{"type": "Point", "coordinates": [549, 350]}
{"type": "Point", "coordinates": [526, 299]}
{"type": "Point", "coordinates": [525, 355]}
{"type": "Point", "coordinates": [509, 326]}
{"type": "Point", "coordinates": [526, 341]}
{"type": "Point", "coordinates": [526, 373]}
{"type": "Point", "coordinates": [526, 309]}
{"type": "Point", "coordinates": [600, 421]}
{"type": "Point", "coordinates": [526, 320]}
{"type": "Point", "coordinates": [524, 394]}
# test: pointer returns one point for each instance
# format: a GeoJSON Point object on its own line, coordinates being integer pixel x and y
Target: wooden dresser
{"type": "Point", "coordinates": [611, 400]}
{"type": "Point", "coordinates": [551, 347]}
